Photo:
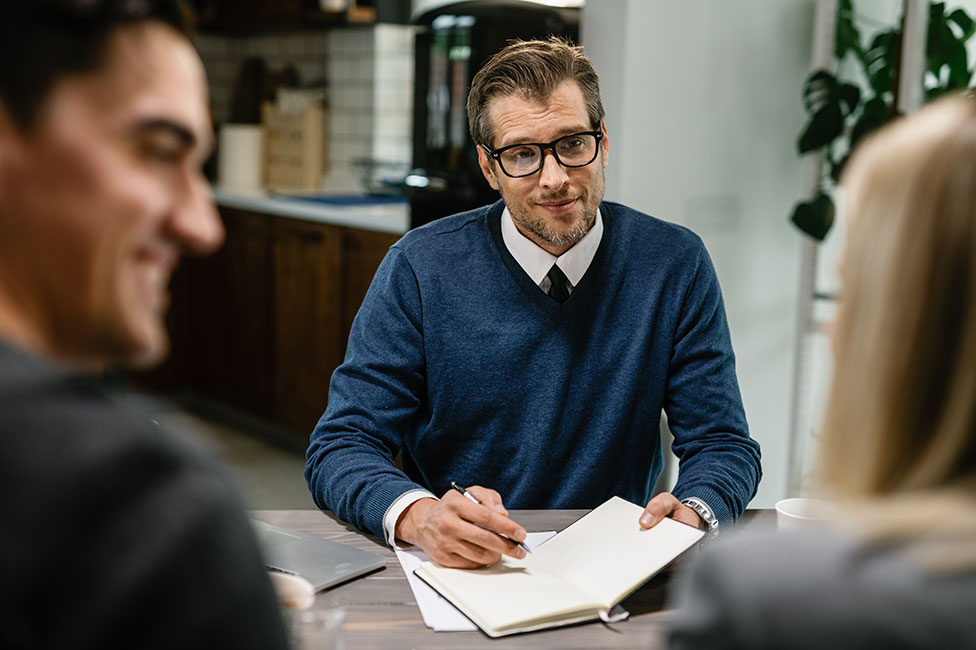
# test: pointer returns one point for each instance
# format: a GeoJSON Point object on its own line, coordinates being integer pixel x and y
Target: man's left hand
{"type": "Point", "coordinates": [667, 505]}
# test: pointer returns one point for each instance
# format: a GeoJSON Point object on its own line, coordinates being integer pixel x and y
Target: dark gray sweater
{"type": "Point", "coordinates": [113, 533]}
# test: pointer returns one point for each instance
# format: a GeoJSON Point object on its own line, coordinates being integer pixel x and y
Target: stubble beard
{"type": "Point", "coordinates": [542, 229]}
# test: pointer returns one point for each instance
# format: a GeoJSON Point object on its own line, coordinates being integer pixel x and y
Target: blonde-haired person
{"type": "Point", "coordinates": [898, 569]}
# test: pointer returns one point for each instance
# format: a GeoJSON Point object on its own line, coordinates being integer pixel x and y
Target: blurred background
{"type": "Point", "coordinates": [341, 125]}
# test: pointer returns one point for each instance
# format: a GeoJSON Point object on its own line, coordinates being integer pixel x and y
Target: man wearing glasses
{"type": "Point", "coordinates": [530, 346]}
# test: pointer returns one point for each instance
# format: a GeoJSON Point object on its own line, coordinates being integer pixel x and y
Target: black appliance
{"type": "Point", "coordinates": [454, 41]}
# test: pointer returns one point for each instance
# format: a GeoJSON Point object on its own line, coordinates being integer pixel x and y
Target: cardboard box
{"type": "Point", "coordinates": [294, 147]}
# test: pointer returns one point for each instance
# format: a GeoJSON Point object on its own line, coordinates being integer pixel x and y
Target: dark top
{"type": "Point", "coordinates": [114, 533]}
{"type": "Point", "coordinates": [820, 589]}
{"type": "Point", "coordinates": [460, 362]}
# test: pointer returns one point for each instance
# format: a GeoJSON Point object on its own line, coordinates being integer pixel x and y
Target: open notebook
{"type": "Point", "coordinates": [578, 575]}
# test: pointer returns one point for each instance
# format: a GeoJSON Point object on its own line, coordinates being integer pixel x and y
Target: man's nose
{"type": "Point", "coordinates": [553, 174]}
{"type": "Point", "coordinates": [195, 224]}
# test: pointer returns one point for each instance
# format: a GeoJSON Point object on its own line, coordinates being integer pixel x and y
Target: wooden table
{"type": "Point", "coordinates": [381, 612]}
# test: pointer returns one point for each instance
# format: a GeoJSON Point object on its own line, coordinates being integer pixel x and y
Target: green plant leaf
{"type": "Point", "coordinates": [945, 52]}
{"type": "Point", "coordinates": [849, 96]}
{"type": "Point", "coordinates": [817, 90]}
{"type": "Point", "coordinates": [935, 92]}
{"type": "Point", "coordinates": [876, 113]}
{"type": "Point", "coordinates": [957, 61]}
{"type": "Point", "coordinates": [823, 128]}
{"type": "Point", "coordinates": [814, 217]}
{"type": "Point", "coordinates": [881, 59]}
{"type": "Point", "coordinates": [848, 38]}
{"type": "Point", "coordinates": [937, 35]}
{"type": "Point", "coordinates": [965, 23]}
{"type": "Point", "coordinates": [829, 104]}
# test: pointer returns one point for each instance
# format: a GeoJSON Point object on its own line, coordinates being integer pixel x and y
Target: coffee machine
{"type": "Point", "coordinates": [454, 40]}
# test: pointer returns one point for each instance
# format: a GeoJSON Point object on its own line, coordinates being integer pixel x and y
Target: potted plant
{"type": "Point", "coordinates": [841, 112]}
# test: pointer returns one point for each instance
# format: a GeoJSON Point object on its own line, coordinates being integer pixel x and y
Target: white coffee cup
{"type": "Point", "coordinates": [801, 512]}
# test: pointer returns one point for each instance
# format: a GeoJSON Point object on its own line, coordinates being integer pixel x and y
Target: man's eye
{"type": "Point", "coordinates": [161, 152]}
{"type": "Point", "coordinates": [572, 143]}
{"type": "Point", "coordinates": [164, 154]}
{"type": "Point", "coordinates": [521, 153]}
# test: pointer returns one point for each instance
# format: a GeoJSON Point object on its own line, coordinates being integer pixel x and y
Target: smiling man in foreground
{"type": "Point", "coordinates": [113, 532]}
{"type": "Point", "coordinates": [530, 346]}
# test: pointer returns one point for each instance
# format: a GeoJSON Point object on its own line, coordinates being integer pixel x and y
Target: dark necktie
{"type": "Point", "coordinates": [559, 284]}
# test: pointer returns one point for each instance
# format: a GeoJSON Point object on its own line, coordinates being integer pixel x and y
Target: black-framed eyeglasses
{"type": "Point", "coordinates": [526, 158]}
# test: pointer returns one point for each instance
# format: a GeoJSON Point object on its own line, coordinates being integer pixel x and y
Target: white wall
{"type": "Point", "coordinates": [703, 110]}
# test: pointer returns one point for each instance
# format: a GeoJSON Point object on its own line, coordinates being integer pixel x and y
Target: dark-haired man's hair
{"type": "Point", "coordinates": [533, 70]}
{"type": "Point", "coordinates": [43, 41]}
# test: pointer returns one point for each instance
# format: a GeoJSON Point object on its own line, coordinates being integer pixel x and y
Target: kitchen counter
{"type": "Point", "coordinates": [380, 214]}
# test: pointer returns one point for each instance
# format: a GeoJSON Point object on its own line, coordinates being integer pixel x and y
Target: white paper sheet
{"type": "Point", "coordinates": [438, 613]}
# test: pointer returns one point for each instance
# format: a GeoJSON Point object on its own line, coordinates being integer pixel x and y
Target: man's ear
{"type": "Point", "coordinates": [485, 163]}
{"type": "Point", "coordinates": [605, 143]}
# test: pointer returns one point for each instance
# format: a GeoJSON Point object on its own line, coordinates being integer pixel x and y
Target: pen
{"type": "Point", "coordinates": [473, 499]}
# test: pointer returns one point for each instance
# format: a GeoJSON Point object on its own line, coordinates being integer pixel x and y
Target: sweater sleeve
{"type": "Point", "coordinates": [376, 395]}
{"type": "Point", "coordinates": [718, 461]}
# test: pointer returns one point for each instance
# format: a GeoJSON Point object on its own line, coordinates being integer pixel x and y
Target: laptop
{"type": "Point", "coordinates": [323, 563]}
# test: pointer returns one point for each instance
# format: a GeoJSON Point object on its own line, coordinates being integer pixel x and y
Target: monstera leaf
{"type": "Point", "coordinates": [946, 48]}
{"type": "Point", "coordinates": [815, 217]}
{"type": "Point", "coordinates": [881, 62]}
{"type": "Point", "coordinates": [829, 103]}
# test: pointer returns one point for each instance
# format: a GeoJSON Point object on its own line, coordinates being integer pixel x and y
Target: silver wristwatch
{"type": "Point", "coordinates": [704, 512]}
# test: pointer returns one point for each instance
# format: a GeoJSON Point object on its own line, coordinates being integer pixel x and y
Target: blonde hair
{"type": "Point", "coordinates": [901, 415]}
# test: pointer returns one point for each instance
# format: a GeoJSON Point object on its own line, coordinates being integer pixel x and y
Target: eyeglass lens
{"type": "Point", "coordinates": [571, 151]}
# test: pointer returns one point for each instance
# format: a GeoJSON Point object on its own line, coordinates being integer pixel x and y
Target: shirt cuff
{"type": "Point", "coordinates": [396, 509]}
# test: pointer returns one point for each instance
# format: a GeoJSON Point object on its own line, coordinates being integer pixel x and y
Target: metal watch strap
{"type": "Point", "coordinates": [704, 512]}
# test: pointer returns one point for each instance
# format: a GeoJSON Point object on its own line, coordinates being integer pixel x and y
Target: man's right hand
{"type": "Point", "coordinates": [453, 532]}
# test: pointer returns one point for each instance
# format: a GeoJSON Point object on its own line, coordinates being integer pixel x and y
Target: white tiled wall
{"type": "Point", "coordinates": [223, 56]}
{"type": "Point", "coordinates": [350, 70]}
{"type": "Point", "coordinates": [393, 93]}
{"type": "Point", "coordinates": [368, 72]}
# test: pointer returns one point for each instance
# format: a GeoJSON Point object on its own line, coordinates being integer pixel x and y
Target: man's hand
{"type": "Point", "coordinates": [453, 532]}
{"type": "Point", "coordinates": [667, 505]}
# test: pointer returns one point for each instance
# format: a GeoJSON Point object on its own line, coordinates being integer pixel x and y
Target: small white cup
{"type": "Point", "coordinates": [800, 512]}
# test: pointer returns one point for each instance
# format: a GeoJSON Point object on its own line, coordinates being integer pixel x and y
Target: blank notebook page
{"type": "Point", "coordinates": [608, 554]}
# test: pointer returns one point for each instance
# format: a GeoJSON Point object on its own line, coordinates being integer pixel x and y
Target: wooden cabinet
{"type": "Point", "coordinates": [262, 324]}
{"type": "Point", "coordinates": [362, 252]}
{"type": "Point", "coordinates": [308, 317]}
{"type": "Point", "coordinates": [231, 306]}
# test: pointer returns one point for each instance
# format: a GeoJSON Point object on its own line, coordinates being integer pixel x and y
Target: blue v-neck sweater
{"type": "Point", "coordinates": [460, 363]}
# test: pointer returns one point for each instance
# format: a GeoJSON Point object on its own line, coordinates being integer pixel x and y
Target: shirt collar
{"type": "Point", "coordinates": [536, 262]}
